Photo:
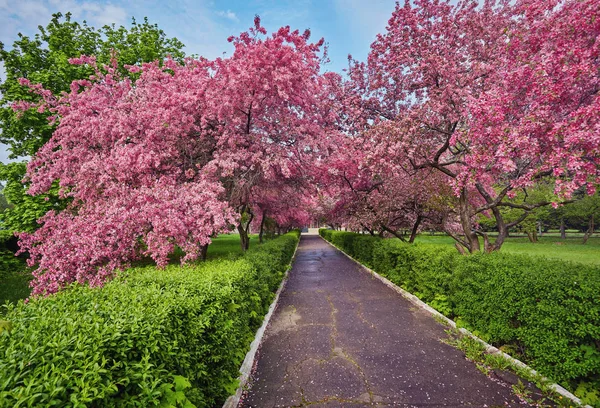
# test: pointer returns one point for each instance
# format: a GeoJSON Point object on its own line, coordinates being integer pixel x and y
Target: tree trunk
{"type": "Point", "coordinates": [590, 230]}
{"type": "Point", "coordinates": [415, 228]}
{"type": "Point", "coordinates": [394, 233]}
{"type": "Point", "coordinates": [369, 230]}
{"type": "Point", "coordinates": [243, 230]}
{"type": "Point", "coordinates": [262, 226]}
{"type": "Point", "coordinates": [460, 248]}
{"type": "Point", "coordinates": [563, 234]}
{"type": "Point", "coordinates": [203, 252]}
{"type": "Point", "coordinates": [487, 246]}
{"type": "Point", "coordinates": [465, 220]}
{"type": "Point", "coordinates": [502, 231]}
{"type": "Point", "coordinates": [244, 238]}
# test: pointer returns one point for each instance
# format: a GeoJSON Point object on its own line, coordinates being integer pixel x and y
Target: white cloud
{"type": "Point", "coordinates": [228, 15]}
{"type": "Point", "coordinates": [26, 15]}
{"type": "Point", "coordinates": [26, 10]}
{"type": "Point", "coordinates": [94, 13]}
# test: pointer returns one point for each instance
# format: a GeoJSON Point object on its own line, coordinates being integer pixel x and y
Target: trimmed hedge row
{"type": "Point", "coordinates": [147, 338]}
{"type": "Point", "coordinates": [546, 312]}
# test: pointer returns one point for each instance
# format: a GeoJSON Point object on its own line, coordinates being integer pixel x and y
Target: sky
{"type": "Point", "coordinates": [348, 26]}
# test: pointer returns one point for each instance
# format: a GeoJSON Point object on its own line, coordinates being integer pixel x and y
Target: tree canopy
{"type": "Point", "coordinates": [44, 60]}
{"type": "Point", "coordinates": [462, 113]}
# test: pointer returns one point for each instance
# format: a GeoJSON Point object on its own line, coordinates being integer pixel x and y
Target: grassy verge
{"type": "Point", "coordinates": [227, 246]}
{"type": "Point", "coordinates": [529, 387]}
{"type": "Point", "coordinates": [551, 247]}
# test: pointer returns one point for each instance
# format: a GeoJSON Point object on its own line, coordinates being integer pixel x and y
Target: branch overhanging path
{"type": "Point", "coordinates": [340, 337]}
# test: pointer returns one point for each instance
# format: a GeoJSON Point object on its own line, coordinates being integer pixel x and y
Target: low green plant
{"type": "Point", "coordinates": [589, 392]}
{"type": "Point", "coordinates": [143, 337]}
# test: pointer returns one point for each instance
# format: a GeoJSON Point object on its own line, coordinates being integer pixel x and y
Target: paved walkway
{"type": "Point", "coordinates": [341, 338]}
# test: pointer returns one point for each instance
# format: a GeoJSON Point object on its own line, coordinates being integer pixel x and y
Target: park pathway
{"type": "Point", "coordinates": [341, 338]}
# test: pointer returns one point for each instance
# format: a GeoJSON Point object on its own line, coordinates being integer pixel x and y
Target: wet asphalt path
{"type": "Point", "coordinates": [341, 338]}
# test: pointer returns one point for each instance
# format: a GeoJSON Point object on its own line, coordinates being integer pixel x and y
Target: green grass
{"type": "Point", "coordinates": [570, 249]}
{"type": "Point", "coordinates": [228, 246]}
{"type": "Point", "coordinates": [14, 284]}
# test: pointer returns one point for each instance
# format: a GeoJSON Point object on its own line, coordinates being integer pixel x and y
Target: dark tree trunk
{"type": "Point", "coordinates": [244, 238]}
{"type": "Point", "coordinates": [394, 233]}
{"type": "Point", "coordinates": [203, 252]}
{"type": "Point", "coordinates": [563, 234]}
{"type": "Point", "coordinates": [532, 236]}
{"type": "Point", "coordinates": [262, 226]}
{"type": "Point", "coordinates": [415, 228]}
{"type": "Point", "coordinates": [244, 230]}
{"type": "Point", "coordinates": [461, 249]}
{"type": "Point", "coordinates": [471, 238]}
{"type": "Point", "coordinates": [369, 230]}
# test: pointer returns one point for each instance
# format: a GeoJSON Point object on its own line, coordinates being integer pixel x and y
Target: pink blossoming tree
{"type": "Point", "coordinates": [173, 158]}
{"type": "Point", "coordinates": [494, 96]}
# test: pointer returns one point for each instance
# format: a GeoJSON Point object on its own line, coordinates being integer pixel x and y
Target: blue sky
{"type": "Point", "coordinates": [348, 26]}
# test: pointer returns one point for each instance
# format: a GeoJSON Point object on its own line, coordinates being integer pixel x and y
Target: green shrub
{"type": "Point", "coordinates": [14, 278]}
{"type": "Point", "coordinates": [326, 233]}
{"type": "Point", "coordinates": [9, 264]}
{"type": "Point", "coordinates": [546, 310]}
{"type": "Point", "coordinates": [549, 310]}
{"type": "Point", "coordinates": [148, 337]}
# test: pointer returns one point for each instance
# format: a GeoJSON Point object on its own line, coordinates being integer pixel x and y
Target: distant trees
{"type": "Point", "coordinates": [584, 214]}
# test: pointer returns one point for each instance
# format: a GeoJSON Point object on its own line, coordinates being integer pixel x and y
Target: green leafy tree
{"type": "Point", "coordinates": [23, 210]}
{"type": "Point", "coordinates": [583, 213]}
{"type": "Point", "coordinates": [44, 59]}
{"type": "Point", "coordinates": [3, 203]}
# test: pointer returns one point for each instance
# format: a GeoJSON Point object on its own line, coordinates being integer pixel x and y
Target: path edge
{"type": "Point", "coordinates": [488, 347]}
{"type": "Point", "coordinates": [246, 368]}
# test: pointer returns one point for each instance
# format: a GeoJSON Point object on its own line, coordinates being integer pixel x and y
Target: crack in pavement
{"type": "Point", "coordinates": [360, 310]}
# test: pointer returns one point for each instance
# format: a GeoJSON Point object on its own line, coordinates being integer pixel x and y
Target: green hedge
{"type": "Point", "coordinates": [14, 278]}
{"type": "Point", "coordinates": [547, 312]}
{"type": "Point", "coordinates": [146, 338]}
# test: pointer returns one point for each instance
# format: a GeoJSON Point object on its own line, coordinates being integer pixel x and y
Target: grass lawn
{"type": "Point", "coordinates": [15, 285]}
{"type": "Point", "coordinates": [570, 249]}
{"type": "Point", "coordinates": [228, 246]}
